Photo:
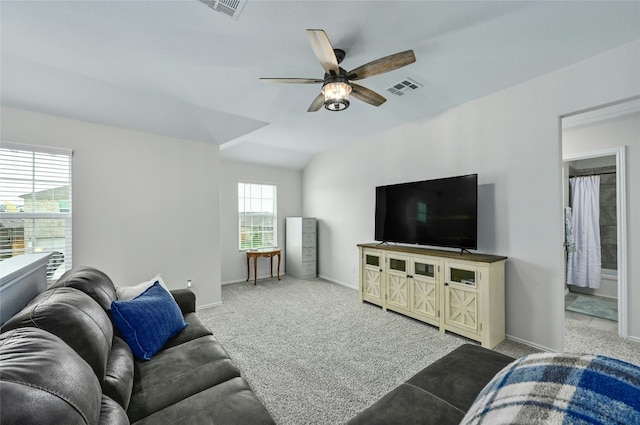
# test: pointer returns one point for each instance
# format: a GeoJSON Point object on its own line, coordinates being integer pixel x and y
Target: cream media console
{"type": "Point", "coordinates": [460, 293]}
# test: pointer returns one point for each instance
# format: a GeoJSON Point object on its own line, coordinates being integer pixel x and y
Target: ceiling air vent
{"type": "Point", "coordinates": [405, 86]}
{"type": "Point", "coordinates": [228, 7]}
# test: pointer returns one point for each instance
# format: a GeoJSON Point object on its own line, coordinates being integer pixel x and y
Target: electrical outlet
{"type": "Point", "coordinates": [189, 283]}
{"type": "Point", "coordinates": [353, 268]}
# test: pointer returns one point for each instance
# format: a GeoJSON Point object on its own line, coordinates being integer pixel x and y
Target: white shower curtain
{"type": "Point", "coordinates": [583, 265]}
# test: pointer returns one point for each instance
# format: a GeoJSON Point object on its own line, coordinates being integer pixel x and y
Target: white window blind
{"type": "Point", "coordinates": [35, 204]}
{"type": "Point", "coordinates": [257, 216]}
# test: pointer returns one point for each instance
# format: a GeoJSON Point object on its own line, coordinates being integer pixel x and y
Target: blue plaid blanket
{"type": "Point", "coordinates": [550, 388]}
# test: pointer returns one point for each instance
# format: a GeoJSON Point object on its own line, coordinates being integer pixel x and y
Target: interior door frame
{"type": "Point", "coordinates": [621, 216]}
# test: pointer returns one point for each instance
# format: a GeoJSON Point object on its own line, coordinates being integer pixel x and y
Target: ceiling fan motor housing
{"type": "Point", "coordinates": [336, 90]}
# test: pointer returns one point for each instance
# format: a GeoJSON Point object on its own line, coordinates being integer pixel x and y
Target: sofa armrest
{"type": "Point", "coordinates": [186, 300]}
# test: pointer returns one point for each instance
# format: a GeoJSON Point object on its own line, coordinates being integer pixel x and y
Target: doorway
{"type": "Point", "coordinates": [593, 158]}
{"type": "Point", "coordinates": [591, 291]}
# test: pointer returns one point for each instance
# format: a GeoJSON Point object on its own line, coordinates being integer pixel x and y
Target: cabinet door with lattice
{"type": "Point", "coordinates": [371, 277]}
{"type": "Point", "coordinates": [461, 298]}
{"type": "Point", "coordinates": [424, 294]}
{"type": "Point", "coordinates": [397, 282]}
{"type": "Point", "coordinates": [461, 308]}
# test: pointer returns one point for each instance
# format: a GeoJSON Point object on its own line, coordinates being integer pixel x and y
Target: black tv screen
{"type": "Point", "coordinates": [441, 212]}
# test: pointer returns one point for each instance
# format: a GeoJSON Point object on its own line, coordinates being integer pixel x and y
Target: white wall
{"type": "Point", "coordinates": [612, 133]}
{"type": "Point", "coordinates": [289, 193]}
{"type": "Point", "coordinates": [142, 204]}
{"type": "Point", "coordinates": [512, 140]}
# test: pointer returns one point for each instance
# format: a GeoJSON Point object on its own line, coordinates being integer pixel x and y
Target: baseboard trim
{"type": "Point", "coordinates": [337, 281]}
{"type": "Point", "coordinates": [229, 282]}
{"type": "Point", "coordinates": [216, 304]}
{"type": "Point", "coordinates": [633, 338]}
{"type": "Point", "coordinates": [529, 343]}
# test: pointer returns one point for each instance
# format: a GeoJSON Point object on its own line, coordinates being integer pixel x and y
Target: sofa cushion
{"type": "Point", "coordinates": [229, 403]}
{"type": "Point", "coordinates": [130, 292]}
{"type": "Point", "coordinates": [409, 405]}
{"type": "Point", "coordinates": [92, 282]}
{"type": "Point", "coordinates": [73, 316]}
{"type": "Point", "coordinates": [459, 376]}
{"type": "Point", "coordinates": [196, 329]}
{"type": "Point", "coordinates": [560, 388]}
{"type": "Point", "coordinates": [44, 381]}
{"type": "Point", "coordinates": [118, 379]}
{"type": "Point", "coordinates": [148, 321]}
{"type": "Point", "coordinates": [177, 373]}
{"type": "Point", "coordinates": [439, 394]}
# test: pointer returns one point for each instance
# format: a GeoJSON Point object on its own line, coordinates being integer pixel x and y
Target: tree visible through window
{"type": "Point", "coordinates": [257, 216]}
{"type": "Point", "coordinates": [35, 204]}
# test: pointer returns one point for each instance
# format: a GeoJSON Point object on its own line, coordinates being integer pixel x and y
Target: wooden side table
{"type": "Point", "coordinates": [269, 253]}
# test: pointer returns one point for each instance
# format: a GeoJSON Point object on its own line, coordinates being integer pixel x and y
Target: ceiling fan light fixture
{"type": "Point", "coordinates": [336, 95]}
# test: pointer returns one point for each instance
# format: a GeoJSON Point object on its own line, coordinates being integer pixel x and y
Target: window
{"type": "Point", "coordinates": [257, 216]}
{"type": "Point", "coordinates": [35, 204]}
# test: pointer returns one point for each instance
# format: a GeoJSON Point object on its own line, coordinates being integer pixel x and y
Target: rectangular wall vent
{"type": "Point", "coordinates": [230, 8]}
{"type": "Point", "coordinates": [405, 86]}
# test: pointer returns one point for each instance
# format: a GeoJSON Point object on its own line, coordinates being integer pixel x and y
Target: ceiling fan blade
{"type": "Point", "coordinates": [317, 103]}
{"type": "Point", "coordinates": [323, 50]}
{"type": "Point", "coordinates": [366, 95]}
{"type": "Point", "coordinates": [292, 80]}
{"type": "Point", "coordinates": [382, 65]}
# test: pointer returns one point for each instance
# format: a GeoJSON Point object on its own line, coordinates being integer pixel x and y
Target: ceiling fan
{"type": "Point", "coordinates": [337, 83]}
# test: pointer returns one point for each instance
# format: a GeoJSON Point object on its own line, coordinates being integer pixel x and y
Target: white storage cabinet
{"type": "Point", "coordinates": [300, 249]}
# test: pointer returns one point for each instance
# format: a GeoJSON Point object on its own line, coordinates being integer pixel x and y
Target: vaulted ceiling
{"type": "Point", "coordinates": [182, 69]}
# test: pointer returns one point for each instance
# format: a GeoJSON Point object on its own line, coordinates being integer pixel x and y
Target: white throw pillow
{"type": "Point", "coordinates": [130, 292]}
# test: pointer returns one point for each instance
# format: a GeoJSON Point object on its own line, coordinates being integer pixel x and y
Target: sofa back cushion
{"type": "Point", "coordinates": [73, 316]}
{"type": "Point", "coordinates": [44, 381]}
{"type": "Point", "coordinates": [92, 282]}
{"type": "Point", "coordinates": [112, 413]}
{"type": "Point", "coordinates": [118, 379]}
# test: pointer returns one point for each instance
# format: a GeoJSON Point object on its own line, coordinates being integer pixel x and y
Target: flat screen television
{"type": "Point", "coordinates": [440, 212]}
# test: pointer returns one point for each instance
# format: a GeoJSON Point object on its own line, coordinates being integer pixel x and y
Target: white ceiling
{"type": "Point", "coordinates": [181, 69]}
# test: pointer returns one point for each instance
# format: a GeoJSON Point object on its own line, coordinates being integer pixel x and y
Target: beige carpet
{"type": "Point", "coordinates": [315, 354]}
{"type": "Point", "coordinates": [580, 337]}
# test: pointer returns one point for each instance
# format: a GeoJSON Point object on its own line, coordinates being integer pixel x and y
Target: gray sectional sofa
{"type": "Point", "coordinates": [63, 361]}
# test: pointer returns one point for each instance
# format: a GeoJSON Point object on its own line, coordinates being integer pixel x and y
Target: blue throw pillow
{"type": "Point", "coordinates": [148, 320]}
